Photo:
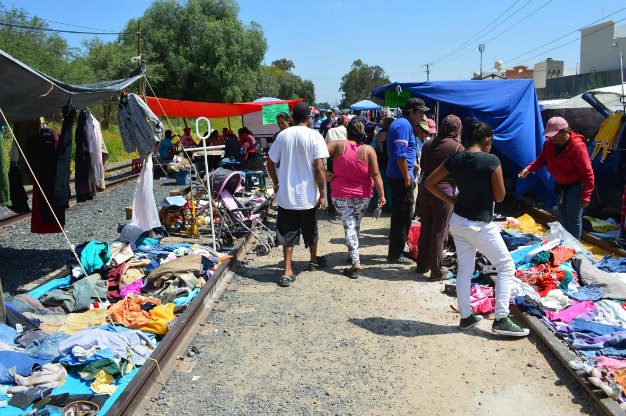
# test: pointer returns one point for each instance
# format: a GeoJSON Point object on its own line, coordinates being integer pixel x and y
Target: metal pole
{"type": "Point", "coordinates": [481, 48]}
{"type": "Point", "coordinates": [206, 171]}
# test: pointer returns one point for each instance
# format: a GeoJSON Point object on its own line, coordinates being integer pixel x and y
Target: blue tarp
{"type": "Point", "coordinates": [511, 109]}
{"type": "Point", "coordinates": [364, 105]}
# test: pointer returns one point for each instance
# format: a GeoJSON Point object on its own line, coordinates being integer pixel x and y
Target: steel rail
{"type": "Point", "coordinates": [18, 218]}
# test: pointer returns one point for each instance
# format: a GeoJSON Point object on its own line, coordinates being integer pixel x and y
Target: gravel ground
{"type": "Point", "coordinates": [385, 343]}
{"type": "Point", "coordinates": [26, 257]}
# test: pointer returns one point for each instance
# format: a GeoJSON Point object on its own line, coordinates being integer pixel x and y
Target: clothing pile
{"type": "Point", "coordinates": [580, 300]}
{"type": "Point", "coordinates": [83, 336]}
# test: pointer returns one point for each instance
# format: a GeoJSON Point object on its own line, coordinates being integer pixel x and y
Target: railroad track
{"type": "Point", "coordinates": [110, 184]}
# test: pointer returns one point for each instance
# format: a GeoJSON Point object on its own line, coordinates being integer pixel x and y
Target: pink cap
{"type": "Point", "coordinates": [432, 127]}
{"type": "Point", "coordinates": [554, 125]}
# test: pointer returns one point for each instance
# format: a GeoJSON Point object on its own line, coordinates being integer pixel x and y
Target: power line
{"type": "Point", "coordinates": [567, 43]}
{"type": "Point", "coordinates": [58, 23]}
{"type": "Point", "coordinates": [520, 21]}
{"type": "Point", "coordinates": [506, 30]}
{"type": "Point", "coordinates": [479, 33]}
{"type": "Point", "coordinates": [43, 29]}
{"type": "Point", "coordinates": [564, 36]}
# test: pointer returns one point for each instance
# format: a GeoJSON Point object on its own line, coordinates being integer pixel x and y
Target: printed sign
{"type": "Point", "coordinates": [271, 111]}
{"type": "Point", "coordinates": [395, 99]}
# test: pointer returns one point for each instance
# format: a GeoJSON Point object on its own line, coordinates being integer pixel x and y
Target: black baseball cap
{"type": "Point", "coordinates": [301, 110]}
{"type": "Point", "coordinates": [415, 104]}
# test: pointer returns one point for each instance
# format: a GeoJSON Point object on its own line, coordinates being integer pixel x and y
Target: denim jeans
{"type": "Point", "coordinates": [571, 211]}
{"type": "Point", "coordinates": [470, 236]}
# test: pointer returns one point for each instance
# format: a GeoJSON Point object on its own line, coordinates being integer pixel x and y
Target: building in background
{"type": "Point", "coordinates": [600, 46]}
{"type": "Point", "coordinates": [546, 70]}
{"type": "Point", "coordinates": [519, 72]}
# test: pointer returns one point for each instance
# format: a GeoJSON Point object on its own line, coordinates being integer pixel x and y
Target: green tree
{"type": "Point", "coordinates": [284, 64]}
{"type": "Point", "coordinates": [45, 51]}
{"type": "Point", "coordinates": [200, 50]}
{"type": "Point", "coordinates": [275, 82]}
{"type": "Point", "coordinates": [357, 84]}
{"type": "Point", "coordinates": [323, 105]}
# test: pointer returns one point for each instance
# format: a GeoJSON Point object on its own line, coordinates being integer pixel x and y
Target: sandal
{"type": "Point", "coordinates": [321, 262]}
{"type": "Point", "coordinates": [286, 281]}
{"type": "Point", "coordinates": [351, 273]}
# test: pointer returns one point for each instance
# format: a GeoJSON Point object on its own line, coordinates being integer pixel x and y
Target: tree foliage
{"type": "Point", "coordinates": [357, 84]}
{"type": "Point", "coordinates": [276, 82]}
{"type": "Point", "coordinates": [48, 52]}
{"type": "Point", "coordinates": [284, 64]}
{"type": "Point", "coordinates": [193, 49]}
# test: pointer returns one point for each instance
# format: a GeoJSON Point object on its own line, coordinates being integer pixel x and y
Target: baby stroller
{"type": "Point", "coordinates": [237, 220]}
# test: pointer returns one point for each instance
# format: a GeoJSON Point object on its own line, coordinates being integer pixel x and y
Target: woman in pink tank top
{"type": "Point", "coordinates": [355, 171]}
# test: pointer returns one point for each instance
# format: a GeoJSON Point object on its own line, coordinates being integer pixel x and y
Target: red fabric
{"type": "Point", "coordinates": [195, 109]}
{"type": "Point", "coordinates": [38, 223]}
{"type": "Point", "coordinates": [546, 286]}
{"type": "Point", "coordinates": [559, 254]}
{"type": "Point", "coordinates": [570, 166]}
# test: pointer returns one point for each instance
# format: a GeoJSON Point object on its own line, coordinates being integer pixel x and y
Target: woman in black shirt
{"type": "Point", "coordinates": [478, 176]}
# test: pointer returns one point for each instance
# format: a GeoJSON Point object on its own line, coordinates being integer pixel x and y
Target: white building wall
{"type": "Point", "coordinates": [600, 46]}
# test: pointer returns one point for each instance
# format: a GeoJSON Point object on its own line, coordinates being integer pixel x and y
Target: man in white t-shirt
{"type": "Point", "coordinates": [300, 187]}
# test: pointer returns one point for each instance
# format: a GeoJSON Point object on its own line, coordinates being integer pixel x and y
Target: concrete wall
{"type": "Point", "coordinates": [571, 85]}
{"type": "Point", "coordinates": [600, 46]}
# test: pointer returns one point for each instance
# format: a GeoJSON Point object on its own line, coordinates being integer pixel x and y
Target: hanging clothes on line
{"type": "Point", "coordinates": [141, 129]}
{"type": "Point", "coordinates": [83, 174]}
{"type": "Point", "coordinates": [43, 159]}
{"type": "Point", "coordinates": [96, 144]}
{"type": "Point", "coordinates": [19, 199]}
{"type": "Point", "coordinates": [64, 150]}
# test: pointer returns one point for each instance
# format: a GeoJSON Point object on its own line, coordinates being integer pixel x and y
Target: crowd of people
{"type": "Point", "coordinates": [239, 148]}
{"type": "Point", "coordinates": [415, 169]}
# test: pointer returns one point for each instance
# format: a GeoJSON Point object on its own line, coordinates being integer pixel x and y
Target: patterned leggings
{"type": "Point", "coordinates": [351, 211]}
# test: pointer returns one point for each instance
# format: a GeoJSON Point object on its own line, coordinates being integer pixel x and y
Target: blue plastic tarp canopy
{"type": "Point", "coordinates": [511, 109]}
{"type": "Point", "coordinates": [364, 105]}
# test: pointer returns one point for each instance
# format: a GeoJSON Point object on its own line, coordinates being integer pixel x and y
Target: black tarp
{"type": "Point", "coordinates": [26, 93]}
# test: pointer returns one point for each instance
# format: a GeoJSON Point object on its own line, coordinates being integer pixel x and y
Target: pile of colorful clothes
{"type": "Point", "coordinates": [83, 337]}
{"type": "Point", "coordinates": [582, 301]}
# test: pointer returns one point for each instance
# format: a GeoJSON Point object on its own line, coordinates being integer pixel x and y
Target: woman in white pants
{"type": "Point", "coordinates": [478, 175]}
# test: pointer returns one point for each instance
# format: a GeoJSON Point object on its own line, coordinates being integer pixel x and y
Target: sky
{"type": "Point", "coordinates": [323, 38]}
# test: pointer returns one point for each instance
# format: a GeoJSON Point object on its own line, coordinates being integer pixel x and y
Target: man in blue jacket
{"type": "Point", "coordinates": [401, 147]}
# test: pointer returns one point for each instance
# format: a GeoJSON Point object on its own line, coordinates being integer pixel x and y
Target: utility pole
{"type": "Point", "coordinates": [427, 71]}
{"type": "Point", "coordinates": [142, 82]}
{"type": "Point", "coordinates": [481, 49]}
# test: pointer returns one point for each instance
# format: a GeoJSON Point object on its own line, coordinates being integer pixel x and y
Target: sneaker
{"type": "Point", "coordinates": [400, 260]}
{"type": "Point", "coordinates": [506, 326]}
{"type": "Point", "coordinates": [470, 322]}
{"type": "Point", "coordinates": [321, 262]}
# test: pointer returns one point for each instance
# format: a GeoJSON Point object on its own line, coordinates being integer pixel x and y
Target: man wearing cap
{"type": "Point", "coordinates": [300, 187]}
{"type": "Point", "coordinates": [422, 132]}
{"type": "Point", "coordinates": [565, 156]}
{"type": "Point", "coordinates": [401, 148]}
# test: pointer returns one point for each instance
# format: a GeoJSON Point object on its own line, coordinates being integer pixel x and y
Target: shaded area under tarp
{"type": "Point", "coordinates": [195, 109]}
{"type": "Point", "coordinates": [364, 105]}
{"type": "Point", "coordinates": [511, 109]}
{"type": "Point", "coordinates": [27, 93]}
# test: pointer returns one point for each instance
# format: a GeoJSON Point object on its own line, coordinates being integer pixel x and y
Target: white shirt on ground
{"type": "Point", "coordinates": [293, 152]}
